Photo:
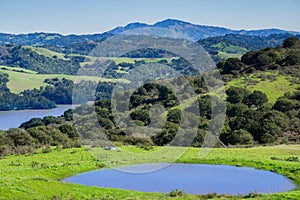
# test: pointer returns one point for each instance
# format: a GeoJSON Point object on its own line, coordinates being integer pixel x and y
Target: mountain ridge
{"type": "Point", "coordinates": [193, 31]}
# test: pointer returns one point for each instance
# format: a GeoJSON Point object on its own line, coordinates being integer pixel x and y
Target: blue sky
{"type": "Point", "coordinates": [96, 16]}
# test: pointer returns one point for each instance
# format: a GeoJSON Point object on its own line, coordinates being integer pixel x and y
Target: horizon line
{"type": "Point", "coordinates": [149, 24]}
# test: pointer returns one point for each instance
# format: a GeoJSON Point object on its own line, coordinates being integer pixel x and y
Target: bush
{"type": "Point", "coordinates": [267, 138]}
{"type": "Point", "coordinates": [176, 193]}
{"type": "Point", "coordinates": [240, 137]}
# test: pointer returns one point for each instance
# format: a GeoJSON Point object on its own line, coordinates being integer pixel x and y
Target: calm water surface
{"type": "Point", "coordinates": [13, 119]}
{"type": "Point", "coordinates": [192, 178]}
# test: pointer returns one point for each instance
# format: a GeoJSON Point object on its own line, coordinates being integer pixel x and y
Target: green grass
{"type": "Point", "coordinates": [38, 176]}
{"type": "Point", "coordinates": [20, 81]}
{"type": "Point", "coordinates": [46, 52]}
{"type": "Point", "coordinates": [225, 55]}
{"type": "Point", "coordinates": [230, 48]}
{"type": "Point", "coordinates": [91, 60]}
{"type": "Point", "coordinates": [273, 89]}
{"type": "Point", "coordinates": [229, 51]}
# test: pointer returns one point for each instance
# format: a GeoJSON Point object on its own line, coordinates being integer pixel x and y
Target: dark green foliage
{"type": "Point", "coordinates": [174, 116]}
{"type": "Point", "coordinates": [265, 59]}
{"type": "Point", "coordinates": [68, 115]}
{"type": "Point", "coordinates": [177, 193]}
{"type": "Point", "coordinates": [141, 114]}
{"type": "Point", "coordinates": [267, 138]}
{"type": "Point", "coordinates": [256, 98]}
{"type": "Point", "coordinates": [240, 137]}
{"type": "Point", "coordinates": [292, 59]}
{"type": "Point", "coordinates": [20, 137]}
{"type": "Point", "coordinates": [27, 99]}
{"type": "Point", "coordinates": [290, 42]}
{"type": "Point", "coordinates": [150, 93]}
{"type": "Point", "coordinates": [32, 123]}
{"type": "Point", "coordinates": [231, 66]}
{"type": "Point", "coordinates": [205, 106]}
{"type": "Point", "coordinates": [166, 135]}
{"type": "Point", "coordinates": [106, 123]}
{"type": "Point", "coordinates": [235, 109]}
{"type": "Point", "coordinates": [285, 105]}
{"type": "Point", "coordinates": [248, 42]}
{"type": "Point", "coordinates": [59, 92]}
{"type": "Point", "coordinates": [236, 94]}
{"type": "Point", "coordinates": [69, 130]}
{"type": "Point", "coordinates": [3, 81]}
{"type": "Point", "coordinates": [28, 59]}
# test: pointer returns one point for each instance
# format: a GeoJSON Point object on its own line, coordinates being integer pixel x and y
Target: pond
{"type": "Point", "coordinates": [191, 178]}
{"type": "Point", "coordinates": [14, 118]}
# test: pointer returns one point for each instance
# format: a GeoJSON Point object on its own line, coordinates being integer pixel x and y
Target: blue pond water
{"type": "Point", "coordinates": [14, 118]}
{"type": "Point", "coordinates": [192, 178]}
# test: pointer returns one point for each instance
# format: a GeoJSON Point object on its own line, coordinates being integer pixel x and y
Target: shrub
{"type": "Point", "coordinates": [176, 193]}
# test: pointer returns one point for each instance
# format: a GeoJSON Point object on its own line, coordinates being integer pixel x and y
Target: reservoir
{"type": "Point", "coordinates": [191, 178]}
{"type": "Point", "coordinates": [14, 118]}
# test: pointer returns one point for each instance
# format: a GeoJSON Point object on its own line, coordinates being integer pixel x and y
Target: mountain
{"type": "Point", "coordinates": [196, 32]}
{"type": "Point", "coordinates": [176, 27]}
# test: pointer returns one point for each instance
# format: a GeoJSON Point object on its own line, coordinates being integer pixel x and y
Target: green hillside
{"type": "Point", "coordinates": [22, 79]}
{"type": "Point", "coordinates": [46, 52]}
{"type": "Point", "coordinates": [270, 83]}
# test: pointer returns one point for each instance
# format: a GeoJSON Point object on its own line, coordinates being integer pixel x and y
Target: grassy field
{"type": "Point", "coordinates": [272, 88]}
{"type": "Point", "coordinates": [91, 60]}
{"type": "Point", "coordinates": [20, 81]}
{"type": "Point", "coordinates": [225, 55]}
{"type": "Point", "coordinates": [229, 51]}
{"type": "Point", "coordinates": [46, 52]}
{"type": "Point", "coordinates": [37, 176]}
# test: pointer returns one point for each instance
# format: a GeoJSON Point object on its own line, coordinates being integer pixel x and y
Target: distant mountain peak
{"type": "Point", "coordinates": [170, 22]}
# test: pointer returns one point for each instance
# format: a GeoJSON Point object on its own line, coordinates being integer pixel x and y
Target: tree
{"type": "Point", "coordinates": [263, 59]}
{"type": "Point", "coordinates": [240, 137]}
{"type": "Point", "coordinates": [69, 130]}
{"type": "Point", "coordinates": [274, 123]}
{"type": "Point", "coordinates": [292, 59]}
{"type": "Point", "coordinates": [267, 138]}
{"type": "Point", "coordinates": [68, 115]}
{"type": "Point", "coordinates": [290, 42]}
{"type": "Point", "coordinates": [32, 123]}
{"type": "Point", "coordinates": [249, 58]}
{"type": "Point", "coordinates": [20, 137]}
{"type": "Point", "coordinates": [142, 115]}
{"type": "Point", "coordinates": [256, 98]}
{"type": "Point", "coordinates": [236, 94]}
{"type": "Point", "coordinates": [231, 65]}
{"type": "Point", "coordinates": [249, 120]}
{"type": "Point", "coordinates": [235, 109]}
{"type": "Point", "coordinates": [205, 106]}
{"type": "Point", "coordinates": [174, 116]}
{"type": "Point", "coordinates": [166, 135]}
{"type": "Point", "coordinates": [284, 105]}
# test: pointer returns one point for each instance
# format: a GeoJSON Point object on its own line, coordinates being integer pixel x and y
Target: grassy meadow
{"type": "Point", "coordinates": [38, 175]}
{"type": "Point", "coordinates": [270, 83]}
{"type": "Point", "coordinates": [21, 79]}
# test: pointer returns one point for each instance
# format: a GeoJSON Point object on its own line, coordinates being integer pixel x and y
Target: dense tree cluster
{"type": "Point", "coordinates": [250, 116]}
{"type": "Point", "coordinates": [26, 58]}
{"type": "Point", "coordinates": [279, 58]}
{"type": "Point", "coordinates": [11, 101]}
{"type": "Point", "coordinates": [37, 133]}
{"type": "Point", "coordinates": [58, 91]}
